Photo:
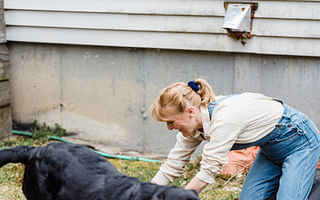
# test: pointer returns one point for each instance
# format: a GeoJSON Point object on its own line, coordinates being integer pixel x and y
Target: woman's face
{"type": "Point", "coordinates": [187, 123]}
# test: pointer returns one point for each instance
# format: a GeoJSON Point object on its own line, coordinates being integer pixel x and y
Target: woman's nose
{"type": "Point", "coordinates": [170, 126]}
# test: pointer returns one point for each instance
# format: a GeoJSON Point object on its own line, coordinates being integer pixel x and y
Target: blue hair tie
{"type": "Point", "coordinates": [194, 86]}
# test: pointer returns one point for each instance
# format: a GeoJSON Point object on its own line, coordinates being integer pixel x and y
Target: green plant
{"type": "Point", "coordinates": [42, 133]}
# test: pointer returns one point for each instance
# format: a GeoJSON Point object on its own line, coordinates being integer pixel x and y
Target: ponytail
{"type": "Point", "coordinates": [206, 93]}
{"type": "Point", "coordinates": [179, 95]}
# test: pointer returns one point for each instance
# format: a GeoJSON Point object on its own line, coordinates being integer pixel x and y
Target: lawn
{"type": "Point", "coordinates": [11, 175]}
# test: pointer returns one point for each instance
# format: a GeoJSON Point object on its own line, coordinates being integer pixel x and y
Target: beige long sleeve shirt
{"type": "Point", "coordinates": [241, 119]}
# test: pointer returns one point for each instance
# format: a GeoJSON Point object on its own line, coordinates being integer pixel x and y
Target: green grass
{"type": "Point", "coordinates": [10, 182]}
{"type": "Point", "coordinates": [225, 188]}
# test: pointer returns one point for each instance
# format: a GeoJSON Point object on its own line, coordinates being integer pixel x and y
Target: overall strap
{"type": "Point", "coordinates": [214, 104]}
{"type": "Point", "coordinates": [279, 100]}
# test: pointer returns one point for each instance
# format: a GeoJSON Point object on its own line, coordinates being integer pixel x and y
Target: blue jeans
{"type": "Point", "coordinates": [286, 162]}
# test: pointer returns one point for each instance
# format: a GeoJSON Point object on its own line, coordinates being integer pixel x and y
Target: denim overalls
{"type": "Point", "coordinates": [286, 161]}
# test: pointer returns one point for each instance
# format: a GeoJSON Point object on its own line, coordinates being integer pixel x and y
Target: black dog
{"type": "Point", "coordinates": [63, 171]}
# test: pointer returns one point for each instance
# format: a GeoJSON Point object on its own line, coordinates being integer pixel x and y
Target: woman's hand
{"type": "Point", "coordinates": [196, 184]}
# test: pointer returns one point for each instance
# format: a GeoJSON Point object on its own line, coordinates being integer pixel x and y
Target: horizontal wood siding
{"type": "Point", "coordinates": [4, 93]}
{"type": "Point", "coordinates": [5, 109]}
{"type": "Point", "coordinates": [292, 27]}
{"type": "Point", "coordinates": [2, 24]}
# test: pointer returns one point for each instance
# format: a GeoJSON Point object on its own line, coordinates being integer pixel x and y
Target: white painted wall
{"type": "Point", "coordinates": [279, 27]}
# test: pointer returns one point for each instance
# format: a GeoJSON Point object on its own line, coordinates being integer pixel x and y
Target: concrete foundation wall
{"type": "Point", "coordinates": [104, 94]}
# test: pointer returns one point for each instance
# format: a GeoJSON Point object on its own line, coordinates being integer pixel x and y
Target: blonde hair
{"type": "Point", "coordinates": [179, 95]}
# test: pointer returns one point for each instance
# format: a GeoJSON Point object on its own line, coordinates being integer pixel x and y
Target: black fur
{"type": "Point", "coordinates": [63, 171]}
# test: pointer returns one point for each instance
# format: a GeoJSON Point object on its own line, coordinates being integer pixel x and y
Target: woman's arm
{"type": "Point", "coordinates": [196, 184]}
{"type": "Point", "coordinates": [177, 158]}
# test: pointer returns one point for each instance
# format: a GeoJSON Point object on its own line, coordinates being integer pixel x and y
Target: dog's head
{"type": "Point", "coordinates": [175, 193]}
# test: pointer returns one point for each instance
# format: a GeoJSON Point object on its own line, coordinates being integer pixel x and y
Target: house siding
{"type": "Point", "coordinates": [279, 27]}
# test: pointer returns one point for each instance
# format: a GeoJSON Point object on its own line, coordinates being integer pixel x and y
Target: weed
{"type": "Point", "coordinates": [42, 133]}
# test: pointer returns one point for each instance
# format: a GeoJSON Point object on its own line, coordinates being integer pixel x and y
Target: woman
{"type": "Point", "coordinates": [288, 139]}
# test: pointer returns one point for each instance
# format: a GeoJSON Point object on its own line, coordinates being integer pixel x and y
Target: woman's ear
{"type": "Point", "coordinates": [190, 110]}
